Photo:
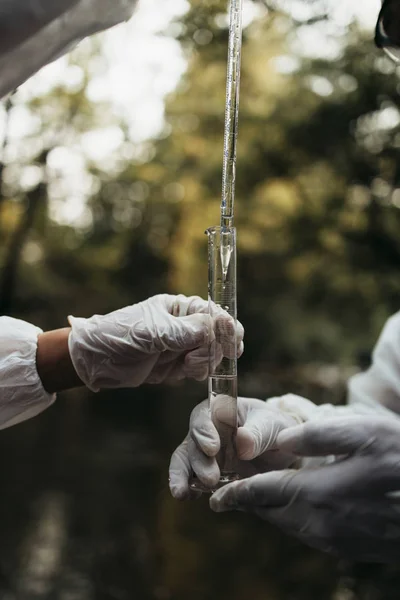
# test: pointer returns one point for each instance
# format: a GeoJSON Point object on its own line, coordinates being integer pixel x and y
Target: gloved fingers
{"type": "Point", "coordinates": [202, 428]}
{"type": "Point", "coordinates": [196, 304]}
{"type": "Point", "coordinates": [228, 334]}
{"type": "Point", "coordinates": [259, 432]}
{"type": "Point", "coordinates": [194, 365]}
{"type": "Point", "coordinates": [181, 305]}
{"type": "Point", "coordinates": [329, 529]}
{"type": "Point", "coordinates": [204, 467]}
{"type": "Point", "coordinates": [299, 408]}
{"type": "Point", "coordinates": [185, 333]}
{"type": "Point", "coordinates": [168, 358]}
{"type": "Point", "coordinates": [179, 474]}
{"type": "Point", "coordinates": [177, 373]}
{"type": "Point", "coordinates": [173, 366]}
{"type": "Point", "coordinates": [267, 490]}
{"type": "Point", "coordinates": [216, 354]}
{"type": "Point", "coordinates": [121, 374]}
{"type": "Point", "coordinates": [224, 412]}
{"type": "Point", "coordinates": [224, 324]}
{"type": "Point", "coordinates": [203, 431]}
{"type": "Point", "coordinates": [197, 362]}
{"type": "Point", "coordinates": [166, 372]}
{"type": "Point", "coordinates": [246, 405]}
{"type": "Point", "coordinates": [322, 438]}
{"type": "Point", "coordinates": [305, 522]}
{"type": "Point", "coordinates": [167, 368]}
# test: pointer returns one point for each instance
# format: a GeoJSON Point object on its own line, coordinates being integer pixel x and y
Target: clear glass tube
{"type": "Point", "coordinates": [222, 272]}
{"type": "Point", "coordinates": [231, 113]}
{"type": "Point", "coordinates": [222, 383]}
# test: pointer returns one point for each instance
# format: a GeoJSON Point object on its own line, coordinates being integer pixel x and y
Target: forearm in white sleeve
{"type": "Point", "coordinates": [20, 19]}
{"type": "Point", "coordinates": [58, 31]}
{"type": "Point", "coordinates": [22, 394]}
{"type": "Point", "coordinates": [376, 390]}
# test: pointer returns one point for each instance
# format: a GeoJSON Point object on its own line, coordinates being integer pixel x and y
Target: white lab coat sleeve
{"type": "Point", "coordinates": [59, 31]}
{"type": "Point", "coordinates": [374, 391]}
{"type": "Point", "coordinates": [20, 19]}
{"type": "Point", "coordinates": [22, 394]}
{"type": "Point", "coordinates": [378, 388]}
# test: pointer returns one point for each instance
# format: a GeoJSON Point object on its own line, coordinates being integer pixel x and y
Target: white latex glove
{"type": "Point", "coordinates": [259, 424]}
{"type": "Point", "coordinates": [161, 339]}
{"type": "Point", "coordinates": [351, 507]}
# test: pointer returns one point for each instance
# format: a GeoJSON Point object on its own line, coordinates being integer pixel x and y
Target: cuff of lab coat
{"type": "Point", "coordinates": [22, 395]}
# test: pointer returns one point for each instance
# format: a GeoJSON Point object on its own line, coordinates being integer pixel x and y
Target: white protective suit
{"type": "Point", "coordinates": [22, 395]}
{"type": "Point", "coordinates": [33, 33]}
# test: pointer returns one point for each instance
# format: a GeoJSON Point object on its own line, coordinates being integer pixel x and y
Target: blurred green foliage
{"type": "Point", "coordinates": [317, 212]}
{"type": "Point", "coordinates": [317, 199]}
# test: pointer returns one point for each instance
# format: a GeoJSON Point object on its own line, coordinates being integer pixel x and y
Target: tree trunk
{"type": "Point", "coordinates": [8, 278]}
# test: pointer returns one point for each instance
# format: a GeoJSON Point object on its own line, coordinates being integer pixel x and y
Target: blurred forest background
{"type": "Point", "coordinates": [85, 510]}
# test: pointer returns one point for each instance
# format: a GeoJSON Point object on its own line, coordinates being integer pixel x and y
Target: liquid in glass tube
{"type": "Point", "coordinates": [223, 349]}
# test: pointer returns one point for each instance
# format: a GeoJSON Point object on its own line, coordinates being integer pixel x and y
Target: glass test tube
{"type": "Point", "coordinates": [222, 382]}
{"type": "Point", "coordinates": [222, 391]}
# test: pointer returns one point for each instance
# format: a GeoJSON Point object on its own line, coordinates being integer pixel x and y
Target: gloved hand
{"type": "Point", "coordinates": [259, 424]}
{"type": "Point", "coordinates": [161, 339]}
{"type": "Point", "coordinates": [350, 507]}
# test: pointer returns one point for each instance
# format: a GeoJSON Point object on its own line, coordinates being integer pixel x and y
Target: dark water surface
{"type": "Point", "coordinates": [85, 513]}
